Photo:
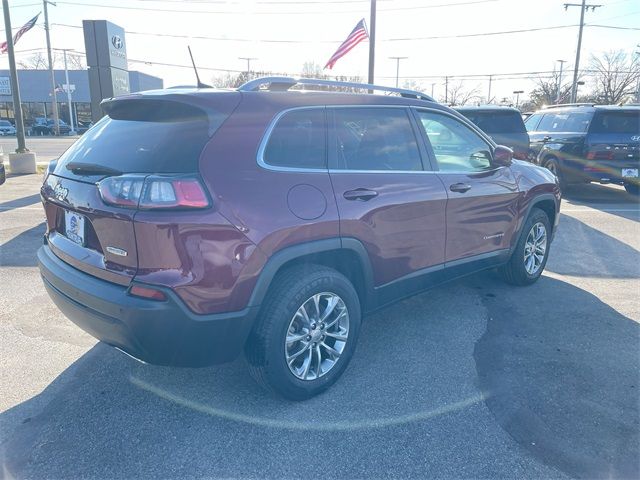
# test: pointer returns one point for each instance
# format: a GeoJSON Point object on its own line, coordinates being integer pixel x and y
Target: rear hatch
{"type": "Point", "coordinates": [142, 137]}
{"type": "Point", "coordinates": [614, 138]}
{"type": "Point", "coordinates": [504, 127]}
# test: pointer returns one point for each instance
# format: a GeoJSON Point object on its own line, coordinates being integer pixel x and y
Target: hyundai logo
{"type": "Point", "coordinates": [60, 192]}
{"type": "Point", "coordinates": [636, 138]}
{"type": "Point", "coordinates": [117, 42]}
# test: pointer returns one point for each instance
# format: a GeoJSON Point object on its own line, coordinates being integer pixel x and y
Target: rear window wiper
{"type": "Point", "coordinates": [80, 168]}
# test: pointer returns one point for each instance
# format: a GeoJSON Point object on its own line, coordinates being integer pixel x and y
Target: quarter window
{"type": "Point", "coordinates": [298, 140]}
{"type": "Point", "coordinates": [531, 123]}
{"type": "Point", "coordinates": [374, 139]}
{"type": "Point", "coordinates": [456, 147]}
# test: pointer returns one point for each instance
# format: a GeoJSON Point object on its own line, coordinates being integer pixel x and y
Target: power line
{"type": "Point", "coordinates": [242, 12]}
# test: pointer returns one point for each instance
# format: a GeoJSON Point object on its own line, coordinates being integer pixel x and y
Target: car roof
{"type": "Point", "coordinates": [487, 108]}
{"type": "Point", "coordinates": [589, 108]}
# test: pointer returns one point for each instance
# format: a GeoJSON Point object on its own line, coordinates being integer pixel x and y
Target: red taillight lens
{"type": "Point", "coordinates": [146, 292]}
{"type": "Point", "coordinates": [600, 152]}
{"type": "Point", "coordinates": [153, 192]}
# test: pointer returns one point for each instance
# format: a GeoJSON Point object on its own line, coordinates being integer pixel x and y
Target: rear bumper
{"type": "Point", "coordinates": [159, 333]}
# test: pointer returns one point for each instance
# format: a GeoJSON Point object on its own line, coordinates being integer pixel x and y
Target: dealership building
{"type": "Point", "coordinates": [35, 93]}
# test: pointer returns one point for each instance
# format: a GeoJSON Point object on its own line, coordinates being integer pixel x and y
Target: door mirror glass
{"type": "Point", "coordinates": [502, 156]}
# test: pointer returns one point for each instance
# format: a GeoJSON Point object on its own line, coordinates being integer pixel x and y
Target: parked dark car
{"type": "Point", "coordinates": [7, 128]}
{"type": "Point", "coordinates": [188, 226]}
{"type": "Point", "coordinates": [504, 124]}
{"type": "Point", "coordinates": [40, 128]}
{"type": "Point", "coordinates": [588, 143]}
{"type": "Point", "coordinates": [82, 127]}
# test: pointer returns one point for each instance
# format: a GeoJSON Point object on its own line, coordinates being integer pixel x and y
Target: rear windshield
{"type": "Point", "coordinates": [496, 122]}
{"type": "Point", "coordinates": [131, 143]}
{"type": "Point", "coordinates": [616, 122]}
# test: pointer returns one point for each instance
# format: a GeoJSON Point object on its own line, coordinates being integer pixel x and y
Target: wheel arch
{"type": "Point", "coordinates": [346, 255]}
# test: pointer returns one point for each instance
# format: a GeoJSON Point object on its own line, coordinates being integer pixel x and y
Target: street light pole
{"type": "Point", "coordinates": [518, 92]}
{"type": "Point", "coordinates": [489, 94]}
{"type": "Point", "coordinates": [56, 126]}
{"type": "Point", "coordinates": [562, 62]}
{"type": "Point", "coordinates": [248, 59]}
{"type": "Point", "coordinates": [66, 76]}
{"type": "Point", "coordinates": [15, 88]}
{"type": "Point", "coordinates": [397, 59]}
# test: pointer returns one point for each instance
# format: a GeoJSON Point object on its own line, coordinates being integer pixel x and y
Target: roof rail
{"type": "Point", "coordinates": [285, 83]}
{"type": "Point", "coordinates": [569, 105]}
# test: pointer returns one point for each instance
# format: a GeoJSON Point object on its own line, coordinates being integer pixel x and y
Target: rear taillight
{"type": "Point", "coordinates": [147, 292]}
{"type": "Point", "coordinates": [153, 192]}
{"type": "Point", "coordinates": [600, 152]}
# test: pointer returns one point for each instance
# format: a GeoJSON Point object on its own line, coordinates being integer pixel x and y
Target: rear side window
{"type": "Point", "coordinates": [374, 139]}
{"type": "Point", "coordinates": [298, 140]}
{"type": "Point", "coordinates": [616, 122]}
{"type": "Point", "coordinates": [496, 122]}
{"type": "Point", "coordinates": [143, 137]}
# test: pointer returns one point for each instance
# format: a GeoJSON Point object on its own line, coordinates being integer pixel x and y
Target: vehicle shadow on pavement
{"type": "Point", "coordinates": [20, 202]}
{"type": "Point", "coordinates": [21, 250]}
{"type": "Point", "coordinates": [615, 201]}
{"type": "Point", "coordinates": [561, 373]}
{"type": "Point", "coordinates": [585, 251]}
{"type": "Point", "coordinates": [413, 402]}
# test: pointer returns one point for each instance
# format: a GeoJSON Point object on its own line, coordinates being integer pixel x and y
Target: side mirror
{"type": "Point", "coordinates": [502, 156]}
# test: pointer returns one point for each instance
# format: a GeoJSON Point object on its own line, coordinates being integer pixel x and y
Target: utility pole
{"type": "Point", "coordinates": [372, 41]}
{"type": "Point", "coordinates": [432, 87]}
{"type": "Point", "coordinates": [446, 90]}
{"type": "Point", "coordinates": [489, 94]}
{"type": "Point", "coordinates": [66, 76]}
{"type": "Point", "coordinates": [583, 7]}
{"type": "Point", "coordinates": [15, 88]}
{"type": "Point", "coordinates": [248, 59]}
{"type": "Point", "coordinates": [517, 93]}
{"type": "Point", "coordinates": [562, 62]}
{"type": "Point", "coordinates": [56, 126]}
{"type": "Point", "coordinates": [397, 59]}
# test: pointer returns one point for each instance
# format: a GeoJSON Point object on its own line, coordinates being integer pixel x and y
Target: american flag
{"type": "Point", "coordinates": [357, 35]}
{"type": "Point", "coordinates": [25, 28]}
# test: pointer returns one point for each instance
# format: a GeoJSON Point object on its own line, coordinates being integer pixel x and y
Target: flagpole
{"type": "Point", "coordinates": [15, 89]}
{"type": "Point", "coordinates": [372, 41]}
{"type": "Point", "coordinates": [56, 125]}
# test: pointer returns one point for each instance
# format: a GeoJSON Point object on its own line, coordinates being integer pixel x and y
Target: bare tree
{"type": "Point", "coordinates": [615, 75]}
{"type": "Point", "coordinates": [546, 91]}
{"type": "Point", "coordinates": [459, 95]}
{"type": "Point", "coordinates": [37, 61]}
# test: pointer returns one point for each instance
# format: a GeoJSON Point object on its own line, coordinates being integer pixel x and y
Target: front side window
{"type": "Point", "coordinates": [531, 123]}
{"type": "Point", "coordinates": [298, 140]}
{"type": "Point", "coordinates": [456, 147]}
{"type": "Point", "coordinates": [374, 139]}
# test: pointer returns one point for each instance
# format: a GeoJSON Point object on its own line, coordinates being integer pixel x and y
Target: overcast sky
{"type": "Point", "coordinates": [283, 34]}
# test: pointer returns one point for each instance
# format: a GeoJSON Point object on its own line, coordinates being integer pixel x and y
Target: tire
{"type": "Point", "coordinates": [553, 165]}
{"type": "Point", "coordinates": [267, 351]}
{"type": "Point", "coordinates": [519, 269]}
{"type": "Point", "coordinates": [632, 188]}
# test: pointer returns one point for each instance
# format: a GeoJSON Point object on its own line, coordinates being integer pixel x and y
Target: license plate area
{"type": "Point", "coordinates": [74, 227]}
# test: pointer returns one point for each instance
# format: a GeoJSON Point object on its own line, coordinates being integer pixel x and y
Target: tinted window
{"type": "Point", "coordinates": [553, 122]}
{"type": "Point", "coordinates": [616, 122]}
{"type": "Point", "coordinates": [374, 139]}
{"type": "Point", "coordinates": [532, 122]}
{"type": "Point", "coordinates": [496, 122]}
{"type": "Point", "coordinates": [577, 122]}
{"type": "Point", "coordinates": [456, 147]}
{"type": "Point", "coordinates": [298, 140]}
{"type": "Point", "coordinates": [137, 146]}
{"type": "Point", "coordinates": [5, 123]}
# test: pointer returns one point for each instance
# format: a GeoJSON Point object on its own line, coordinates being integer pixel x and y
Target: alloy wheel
{"type": "Point", "coordinates": [535, 248]}
{"type": "Point", "coordinates": [317, 336]}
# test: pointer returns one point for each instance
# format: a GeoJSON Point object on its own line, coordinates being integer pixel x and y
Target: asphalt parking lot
{"type": "Point", "coordinates": [472, 379]}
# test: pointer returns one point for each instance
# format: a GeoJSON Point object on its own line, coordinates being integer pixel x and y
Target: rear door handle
{"type": "Point", "coordinates": [460, 187]}
{"type": "Point", "coordinates": [360, 194]}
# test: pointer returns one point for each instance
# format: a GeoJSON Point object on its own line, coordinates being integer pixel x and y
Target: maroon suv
{"type": "Point", "coordinates": [189, 225]}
